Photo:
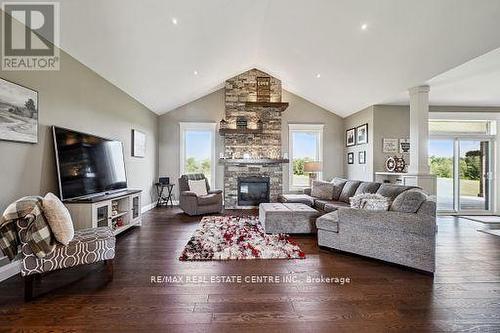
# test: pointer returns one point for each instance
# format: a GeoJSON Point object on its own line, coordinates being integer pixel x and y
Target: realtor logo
{"type": "Point", "coordinates": [30, 36]}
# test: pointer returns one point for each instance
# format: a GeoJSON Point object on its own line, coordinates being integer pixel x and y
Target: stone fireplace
{"type": "Point", "coordinates": [253, 152]}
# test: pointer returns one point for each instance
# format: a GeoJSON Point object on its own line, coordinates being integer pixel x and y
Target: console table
{"type": "Point", "coordinates": [118, 210]}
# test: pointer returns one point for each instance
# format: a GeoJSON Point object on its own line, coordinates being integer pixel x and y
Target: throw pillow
{"type": "Point", "coordinates": [369, 201]}
{"type": "Point", "coordinates": [198, 186]}
{"type": "Point", "coordinates": [338, 185]}
{"type": "Point", "coordinates": [322, 190]}
{"type": "Point", "coordinates": [59, 218]}
{"type": "Point", "coordinates": [408, 201]}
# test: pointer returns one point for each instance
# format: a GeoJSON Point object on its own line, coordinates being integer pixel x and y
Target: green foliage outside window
{"type": "Point", "coordinates": [195, 166]}
{"type": "Point", "coordinates": [298, 165]}
{"type": "Point", "coordinates": [469, 166]}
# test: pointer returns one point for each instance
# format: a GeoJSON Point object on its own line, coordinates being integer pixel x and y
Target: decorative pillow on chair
{"type": "Point", "coordinates": [198, 186]}
{"type": "Point", "coordinates": [59, 219]}
{"type": "Point", "coordinates": [322, 190]}
{"type": "Point", "coordinates": [369, 201]}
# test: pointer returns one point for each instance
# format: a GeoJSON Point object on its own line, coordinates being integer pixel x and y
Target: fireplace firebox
{"type": "Point", "coordinates": [253, 190]}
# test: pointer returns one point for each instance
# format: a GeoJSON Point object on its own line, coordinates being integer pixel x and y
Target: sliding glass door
{"type": "Point", "coordinates": [464, 172]}
{"type": "Point", "coordinates": [474, 176]}
{"type": "Point", "coordinates": [442, 152]}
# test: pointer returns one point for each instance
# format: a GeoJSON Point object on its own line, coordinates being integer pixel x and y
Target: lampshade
{"type": "Point", "coordinates": [313, 166]}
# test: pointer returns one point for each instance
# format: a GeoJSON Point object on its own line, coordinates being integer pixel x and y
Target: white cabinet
{"type": "Point", "coordinates": [425, 182]}
{"type": "Point", "coordinates": [118, 212]}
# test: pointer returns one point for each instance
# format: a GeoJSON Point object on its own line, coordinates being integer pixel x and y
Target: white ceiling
{"type": "Point", "coordinates": [475, 83]}
{"type": "Point", "coordinates": [135, 45]}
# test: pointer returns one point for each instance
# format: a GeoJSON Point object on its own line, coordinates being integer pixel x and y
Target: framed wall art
{"type": "Point", "coordinates": [138, 143]}
{"type": "Point", "coordinates": [350, 158]}
{"type": "Point", "coordinates": [362, 134]}
{"type": "Point", "coordinates": [350, 137]}
{"type": "Point", "coordinates": [18, 113]}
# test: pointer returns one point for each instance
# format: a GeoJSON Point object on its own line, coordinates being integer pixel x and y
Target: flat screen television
{"type": "Point", "coordinates": [87, 164]}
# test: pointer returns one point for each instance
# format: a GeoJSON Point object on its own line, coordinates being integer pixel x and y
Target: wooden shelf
{"type": "Point", "coordinates": [224, 131]}
{"type": "Point", "coordinates": [252, 161]}
{"type": "Point", "coordinates": [118, 215]}
{"type": "Point", "coordinates": [123, 228]}
{"type": "Point", "coordinates": [279, 105]}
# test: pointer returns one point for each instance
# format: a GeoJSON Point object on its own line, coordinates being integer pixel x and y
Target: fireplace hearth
{"type": "Point", "coordinates": [253, 190]}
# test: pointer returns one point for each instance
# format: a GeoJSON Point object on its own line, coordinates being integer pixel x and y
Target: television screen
{"type": "Point", "coordinates": [88, 164]}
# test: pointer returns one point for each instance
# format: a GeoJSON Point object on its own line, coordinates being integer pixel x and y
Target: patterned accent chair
{"type": "Point", "coordinates": [88, 246]}
{"type": "Point", "coordinates": [193, 204]}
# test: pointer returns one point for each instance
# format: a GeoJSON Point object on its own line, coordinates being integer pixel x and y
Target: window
{"type": "Point", "coordinates": [197, 149]}
{"type": "Point", "coordinates": [473, 127]}
{"type": "Point", "coordinates": [305, 144]}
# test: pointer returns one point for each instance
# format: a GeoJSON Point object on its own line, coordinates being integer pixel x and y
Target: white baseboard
{"type": "Point", "coordinates": [153, 205]}
{"type": "Point", "coordinates": [148, 207]}
{"type": "Point", "coordinates": [11, 269]}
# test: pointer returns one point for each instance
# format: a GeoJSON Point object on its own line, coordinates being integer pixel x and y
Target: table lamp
{"type": "Point", "coordinates": [313, 168]}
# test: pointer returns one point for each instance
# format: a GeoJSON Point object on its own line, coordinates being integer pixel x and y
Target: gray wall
{"type": "Point", "coordinates": [302, 111]}
{"type": "Point", "coordinates": [210, 108]}
{"type": "Point", "coordinates": [77, 98]}
{"type": "Point", "coordinates": [389, 121]}
{"type": "Point", "coordinates": [356, 170]}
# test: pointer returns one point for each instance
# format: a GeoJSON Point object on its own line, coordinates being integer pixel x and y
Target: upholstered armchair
{"type": "Point", "coordinates": [194, 204]}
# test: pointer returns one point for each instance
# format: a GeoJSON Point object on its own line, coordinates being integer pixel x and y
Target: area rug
{"type": "Point", "coordinates": [237, 238]}
{"type": "Point", "coordinates": [486, 219]}
{"type": "Point", "coordinates": [494, 232]}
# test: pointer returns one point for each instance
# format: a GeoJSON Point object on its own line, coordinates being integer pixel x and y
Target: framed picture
{"type": "Point", "coordinates": [362, 134]}
{"type": "Point", "coordinates": [362, 157]}
{"type": "Point", "coordinates": [404, 146]}
{"type": "Point", "coordinates": [350, 158]}
{"type": "Point", "coordinates": [389, 145]}
{"type": "Point", "coordinates": [350, 137]}
{"type": "Point", "coordinates": [138, 143]}
{"type": "Point", "coordinates": [18, 113]}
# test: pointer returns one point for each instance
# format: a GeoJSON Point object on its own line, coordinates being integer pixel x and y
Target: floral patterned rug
{"type": "Point", "coordinates": [236, 238]}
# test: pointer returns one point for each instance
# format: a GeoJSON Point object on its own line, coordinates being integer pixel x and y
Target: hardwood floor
{"type": "Point", "coordinates": [464, 294]}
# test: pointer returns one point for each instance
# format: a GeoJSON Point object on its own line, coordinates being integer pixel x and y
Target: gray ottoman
{"type": "Point", "coordinates": [288, 218]}
{"type": "Point", "coordinates": [296, 198]}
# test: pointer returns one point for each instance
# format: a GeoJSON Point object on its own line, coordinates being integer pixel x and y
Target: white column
{"type": "Point", "coordinates": [419, 130]}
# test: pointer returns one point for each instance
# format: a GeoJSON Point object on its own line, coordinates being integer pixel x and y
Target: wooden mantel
{"type": "Point", "coordinates": [279, 105]}
{"type": "Point", "coordinates": [243, 161]}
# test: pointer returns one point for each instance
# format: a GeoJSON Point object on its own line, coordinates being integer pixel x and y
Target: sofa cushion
{"type": "Point", "coordinates": [338, 185]}
{"type": "Point", "coordinates": [348, 191]}
{"type": "Point", "coordinates": [367, 187]}
{"type": "Point", "coordinates": [328, 222]}
{"type": "Point", "coordinates": [408, 201]}
{"type": "Point", "coordinates": [369, 201]}
{"type": "Point", "coordinates": [428, 207]}
{"type": "Point", "coordinates": [330, 207]}
{"type": "Point", "coordinates": [297, 198]}
{"type": "Point", "coordinates": [391, 191]}
{"type": "Point", "coordinates": [322, 190]}
{"type": "Point", "coordinates": [319, 204]}
{"type": "Point", "coordinates": [209, 199]}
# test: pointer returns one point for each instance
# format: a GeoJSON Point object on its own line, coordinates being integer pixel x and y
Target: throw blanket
{"type": "Point", "coordinates": [39, 236]}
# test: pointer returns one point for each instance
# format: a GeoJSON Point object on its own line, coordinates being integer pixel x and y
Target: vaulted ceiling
{"type": "Point", "coordinates": [340, 54]}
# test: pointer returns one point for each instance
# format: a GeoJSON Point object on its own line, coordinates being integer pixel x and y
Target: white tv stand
{"type": "Point", "coordinates": [98, 211]}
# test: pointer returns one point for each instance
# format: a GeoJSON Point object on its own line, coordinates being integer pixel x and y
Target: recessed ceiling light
{"type": "Point", "coordinates": [195, 72]}
{"type": "Point", "coordinates": [174, 21]}
{"type": "Point", "coordinates": [318, 75]}
{"type": "Point", "coordinates": [364, 26]}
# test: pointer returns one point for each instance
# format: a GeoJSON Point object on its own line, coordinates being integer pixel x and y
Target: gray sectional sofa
{"type": "Point", "coordinates": [405, 234]}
